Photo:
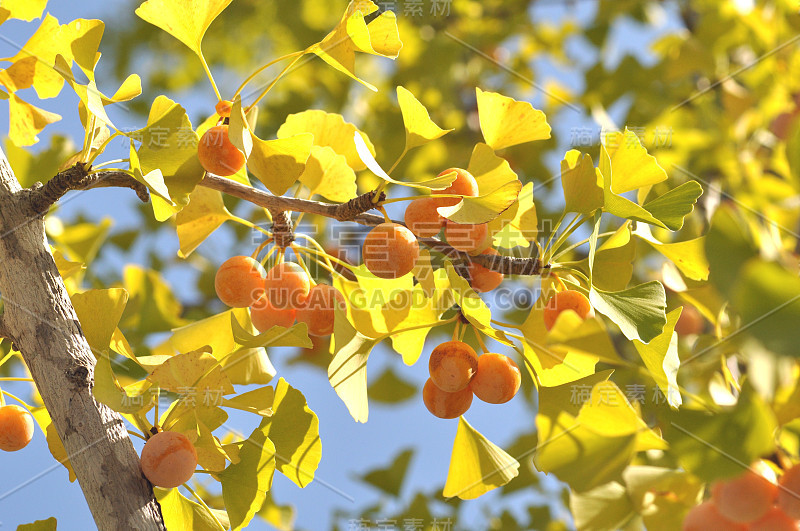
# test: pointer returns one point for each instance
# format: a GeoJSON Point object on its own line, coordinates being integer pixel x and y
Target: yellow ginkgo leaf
{"type": "Point", "coordinates": [507, 122]}
{"type": "Point", "coordinates": [203, 215]}
{"type": "Point", "coordinates": [579, 180]}
{"type": "Point", "coordinates": [477, 465]}
{"type": "Point", "coordinates": [379, 37]}
{"type": "Point", "coordinates": [25, 121]}
{"type": "Point", "coordinates": [420, 129]}
{"type": "Point", "coordinates": [330, 130]}
{"type": "Point", "coordinates": [99, 311]}
{"type": "Point", "coordinates": [186, 20]}
{"type": "Point", "coordinates": [483, 208]}
{"type": "Point", "coordinates": [522, 228]}
{"type": "Point", "coordinates": [440, 182]}
{"type": "Point", "coordinates": [279, 163]}
{"type": "Point", "coordinates": [26, 10]}
{"type": "Point", "coordinates": [328, 175]}
{"type": "Point", "coordinates": [489, 170]}
{"type": "Point", "coordinates": [632, 166]}
{"type": "Point", "coordinates": [689, 256]}
{"type": "Point", "coordinates": [197, 371]}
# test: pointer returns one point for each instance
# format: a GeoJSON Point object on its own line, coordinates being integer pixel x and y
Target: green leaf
{"type": "Point", "coordinates": [203, 215]}
{"type": "Point", "coordinates": [671, 207]}
{"type": "Point", "coordinates": [180, 512]}
{"type": "Point", "coordinates": [39, 525]}
{"type": "Point", "coordinates": [640, 311]}
{"type": "Point", "coordinates": [604, 507]}
{"type": "Point", "coordinates": [347, 371]}
{"type": "Point", "coordinates": [507, 122]}
{"type": "Point", "coordinates": [483, 208]}
{"type": "Point", "coordinates": [99, 312]}
{"type": "Point", "coordinates": [245, 484]}
{"type": "Point", "coordinates": [389, 388]}
{"type": "Point", "coordinates": [719, 445]}
{"type": "Point", "coordinates": [613, 260]}
{"type": "Point", "coordinates": [728, 247]}
{"type": "Point", "coordinates": [579, 180]}
{"type": "Point", "coordinates": [390, 479]}
{"type": "Point", "coordinates": [279, 163]}
{"type": "Point", "coordinates": [294, 430]}
{"type": "Point", "coordinates": [476, 465]}
{"type": "Point", "coordinates": [661, 358]}
{"type": "Point", "coordinates": [186, 20]}
{"type": "Point", "coordinates": [420, 129]}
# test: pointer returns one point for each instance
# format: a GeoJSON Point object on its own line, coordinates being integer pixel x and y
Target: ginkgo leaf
{"type": "Point", "coordinates": [88, 93]}
{"type": "Point", "coordinates": [258, 401]}
{"type": "Point", "coordinates": [203, 215]}
{"type": "Point", "coordinates": [26, 10]}
{"type": "Point", "coordinates": [613, 260]}
{"type": "Point", "coordinates": [633, 167]}
{"type": "Point", "coordinates": [640, 311]}
{"type": "Point", "coordinates": [671, 207]}
{"type": "Point", "coordinates": [151, 304]}
{"type": "Point", "coordinates": [54, 442]}
{"type": "Point", "coordinates": [472, 306]}
{"type": "Point", "coordinates": [476, 465]}
{"type": "Point", "coordinates": [583, 336]}
{"type": "Point", "coordinates": [390, 479]}
{"type": "Point", "coordinates": [328, 174]}
{"type": "Point", "coordinates": [279, 163]}
{"type": "Point", "coordinates": [379, 37]}
{"type": "Point", "coordinates": [180, 512]}
{"type": "Point", "coordinates": [294, 430]}
{"type": "Point", "coordinates": [107, 390]}
{"type": "Point", "coordinates": [197, 370]}
{"type": "Point", "coordinates": [99, 312]}
{"type": "Point", "coordinates": [210, 454]}
{"type": "Point", "coordinates": [154, 180]}
{"type": "Point", "coordinates": [329, 130]}
{"type": "Point", "coordinates": [239, 130]}
{"type": "Point", "coordinates": [579, 180]}
{"type": "Point", "coordinates": [186, 20]}
{"type": "Point", "coordinates": [277, 336]}
{"type": "Point", "coordinates": [347, 371]}
{"type": "Point", "coordinates": [489, 170]}
{"type": "Point", "coordinates": [437, 183]}
{"type": "Point", "coordinates": [507, 122]}
{"type": "Point", "coordinates": [523, 226]}
{"type": "Point", "coordinates": [660, 356]}
{"type": "Point", "coordinates": [25, 121]}
{"type": "Point", "coordinates": [245, 484]}
{"type": "Point", "coordinates": [48, 524]}
{"type": "Point", "coordinates": [483, 208]}
{"type": "Point", "coordinates": [689, 256]}
{"type": "Point", "coordinates": [420, 129]}
{"type": "Point", "coordinates": [390, 388]}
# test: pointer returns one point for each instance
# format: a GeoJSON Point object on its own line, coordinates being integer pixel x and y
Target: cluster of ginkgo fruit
{"type": "Point", "coordinates": [754, 501]}
{"type": "Point", "coordinates": [457, 373]}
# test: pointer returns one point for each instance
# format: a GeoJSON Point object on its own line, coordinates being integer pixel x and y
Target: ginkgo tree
{"type": "Point", "coordinates": [97, 387]}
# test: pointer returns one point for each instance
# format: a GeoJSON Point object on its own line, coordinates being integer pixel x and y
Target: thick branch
{"type": "Point", "coordinates": [78, 177]}
{"type": "Point", "coordinates": [356, 210]}
{"type": "Point", "coordinates": [40, 317]}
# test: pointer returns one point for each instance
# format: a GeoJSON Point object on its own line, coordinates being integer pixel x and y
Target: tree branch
{"type": "Point", "coordinates": [356, 210]}
{"type": "Point", "coordinates": [77, 177]}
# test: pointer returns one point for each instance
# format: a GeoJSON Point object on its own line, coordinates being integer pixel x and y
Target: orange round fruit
{"type": "Point", "coordinates": [706, 517]}
{"type": "Point", "coordinates": [744, 499]}
{"type": "Point", "coordinates": [287, 286]}
{"type": "Point", "coordinates": [16, 428]}
{"type": "Point", "coordinates": [467, 238]}
{"type": "Point", "coordinates": [690, 322]}
{"type": "Point", "coordinates": [239, 281]}
{"type": "Point", "coordinates": [497, 379]}
{"type": "Point", "coordinates": [223, 108]}
{"type": "Point", "coordinates": [390, 250]}
{"type": "Point", "coordinates": [319, 310]}
{"type": "Point", "coordinates": [452, 365]}
{"type": "Point", "coordinates": [264, 315]}
{"type": "Point", "coordinates": [217, 153]}
{"type": "Point", "coordinates": [774, 520]}
{"type": "Point", "coordinates": [789, 493]}
{"type": "Point", "coordinates": [422, 219]}
{"type": "Point", "coordinates": [168, 459]}
{"type": "Point", "coordinates": [566, 300]}
{"type": "Point", "coordinates": [443, 404]}
{"type": "Point", "coordinates": [465, 184]}
{"type": "Point", "coordinates": [483, 279]}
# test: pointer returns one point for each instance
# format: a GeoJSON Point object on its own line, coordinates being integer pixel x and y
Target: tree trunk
{"type": "Point", "coordinates": [40, 319]}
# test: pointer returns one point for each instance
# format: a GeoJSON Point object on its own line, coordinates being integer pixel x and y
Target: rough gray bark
{"type": "Point", "coordinates": [41, 321]}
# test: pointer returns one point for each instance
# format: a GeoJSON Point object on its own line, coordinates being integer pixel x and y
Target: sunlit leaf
{"type": "Point", "coordinates": [613, 260]}
{"type": "Point", "coordinates": [279, 163]}
{"type": "Point", "coordinates": [660, 356]}
{"type": "Point", "coordinates": [180, 512]}
{"type": "Point", "coordinates": [507, 122]}
{"type": "Point", "coordinates": [689, 256]}
{"type": "Point", "coordinates": [54, 443]}
{"type": "Point", "coordinates": [472, 306]}
{"type": "Point", "coordinates": [108, 391]}
{"type": "Point", "coordinates": [258, 401]}
{"type": "Point", "coordinates": [99, 312]}
{"type": "Point", "coordinates": [26, 10]}
{"type": "Point", "coordinates": [203, 215]}
{"type": "Point", "coordinates": [632, 166]}
{"type": "Point", "coordinates": [196, 370]}
{"type": "Point", "coordinates": [640, 311]}
{"type": "Point", "coordinates": [489, 170]}
{"type": "Point", "coordinates": [579, 180]}
{"type": "Point", "coordinates": [151, 304]}
{"type": "Point", "coordinates": [420, 129]}
{"type": "Point", "coordinates": [186, 20]}
{"type": "Point", "coordinates": [483, 208]}
{"type": "Point", "coordinates": [25, 121]}
{"type": "Point", "coordinates": [327, 174]}
{"type": "Point", "coordinates": [476, 465]}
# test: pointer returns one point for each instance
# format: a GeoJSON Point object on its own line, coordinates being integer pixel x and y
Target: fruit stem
{"type": "Point", "coordinates": [261, 69]}
{"type": "Point", "coordinates": [250, 224]}
{"type": "Point", "coordinates": [210, 77]}
{"type": "Point", "coordinates": [455, 330]}
{"type": "Point", "coordinates": [267, 256]}
{"type": "Point", "coordinates": [272, 84]}
{"type": "Point", "coordinates": [96, 167]}
{"type": "Point", "coordinates": [554, 231]}
{"type": "Point", "coordinates": [576, 245]}
{"type": "Point", "coordinates": [383, 211]}
{"type": "Point", "coordinates": [302, 262]}
{"type": "Point", "coordinates": [319, 247]}
{"type": "Point", "coordinates": [381, 187]}
{"type": "Point", "coordinates": [13, 397]}
{"type": "Point", "coordinates": [571, 227]}
{"type": "Point", "coordinates": [207, 508]}
{"type": "Point", "coordinates": [480, 340]}
{"type": "Point", "coordinates": [137, 434]}
{"type": "Point", "coordinates": [15, 379]}
{"type": "Point", "coordinates": [260, 248]}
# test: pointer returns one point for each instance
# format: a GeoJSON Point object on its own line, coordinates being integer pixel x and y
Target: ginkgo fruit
{"type": "Point", "coordinates": [287, 285]}
{"type": "Point", "coordinates": [319, 309]}
{"type": "Point", "coordinates": [217, 153]}
{"type": "Point", "coordinates": [390, 250]}
{"type": "Point", "coordinates": [467, 238]}
{"type": "Point", "coordinates": [422, 219]}
{"type": "Point", "coordinates": [465, 184]}
{"type": "Point", "coordinates": [705, 517]}
{"type": "Point", "coordinates": [789, 493]}
{"type": "Point", "coordinates": [774, 520]}
{"type": "Point", "coordinates": [264, 315]}
{"type": "Point", "coordinates": [452, 365]}
{"type": "Point", "coordinates": [566, 300]}
{"type": "Point", "coordinates": [745, 498]}
{"type": "Point", "coordinates": [443, 404]}
{"type": "Point", "coordinates": [239, 281]}
{"type": "Point", "coordinates": [497, 379]}
{"type": "Point", "coordinates": [223, 108]}
{"type": "Point", "coordinates": [690, 322]}
{"type": "Point", "coordinates": [16, 428]}
{"type": "Point", "coordinates": [483, 279]}
{"type": "Point", "coordinates": [168, 459]}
